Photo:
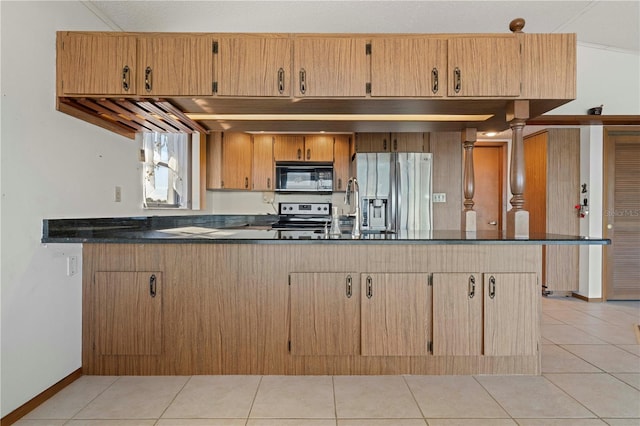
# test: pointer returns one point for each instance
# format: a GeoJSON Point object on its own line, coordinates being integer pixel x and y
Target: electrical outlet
{"type": "Point", "coordinates": [72, 265]}
{"type": "Point", "coordinates": [267, 197]}
{"type": "Point", "coordinates": [439, 197]}
{"type": "Point", "coordinates": [118, 194]}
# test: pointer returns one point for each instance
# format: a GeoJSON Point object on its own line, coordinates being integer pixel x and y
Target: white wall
{"type": "Point", "coordinates": [56, 166]}
{"type": "Point", "coordinates": [605, 77]}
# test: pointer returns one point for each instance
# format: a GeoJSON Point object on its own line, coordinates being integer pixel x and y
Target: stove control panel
{"type": "Point", "coordinates": [305, 209]}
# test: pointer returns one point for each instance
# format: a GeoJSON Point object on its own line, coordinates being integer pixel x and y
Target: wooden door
{"type": "Point", "coordinates": [373, 142]}
{"type": "Point", "coordinates": [489, 165]}
{"type": "Point", "coordinates": [288, 148]}
{"type": "Point", "coordinates": [262, 168]}
{"type": "Point", "coordinates": [396, 314]}
{"type": "Point", "coordinates": [621, 216]}
{"type": "Point", "coordinates": [457, 313]}
{"type": "Point", "coordinates": [176, 65]}
{"type": "Point", "coordinates": [484, 66]}
{"type": "Point", "coordinates": [128, 313]}
{"type": "Point", "coordinates": [254, 66]}
{"type": "Point", "coordinates": [318, 148]}
{"type": "Point", "coordinates": [325, 314]}
{"type": "Point", "coordinates": [330, 66]}
{"type": "Point", "coordinates": [408, 67]}
{"type": "Point", "coordinates": [96, 64]}
{"type": "Point", "coordinates": [236, 161]}
{"type": "Point", "coordinates": [341, 162]}
{"type": "Point", "coordinates": [511, 305]}
{"type": "Point", "coordinates": [408, 142]}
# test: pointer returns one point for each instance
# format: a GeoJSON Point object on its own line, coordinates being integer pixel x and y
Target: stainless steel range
{"type": "Point", "coordinates": [303, 220]}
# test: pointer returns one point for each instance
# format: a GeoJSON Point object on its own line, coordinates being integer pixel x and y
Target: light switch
{"type": "Point", "coordinates": [439, 197]}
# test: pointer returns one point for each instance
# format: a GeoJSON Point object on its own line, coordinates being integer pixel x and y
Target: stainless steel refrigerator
{"type": "Point", "coordinates": [395, 191]}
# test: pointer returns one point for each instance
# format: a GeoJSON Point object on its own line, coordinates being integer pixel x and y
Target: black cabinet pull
{"type": "Point", "coordinates": [457, 80]}
{"type": "Point", "coordinates": [492, 287]}
{"type": "Point", "coordinates": [303, 81]}
{"type": "Point", "coordinates": [281, 81]}
{"type": "Point", "coordinates": [472, 286]}
{"type": "Point", "coordinates": [369, 287]}
{"type": "Point", "coordinates": [434, 80]}
{"type": "Point", "coordinates": [152, 285]}
{"type": "Point", "coordinates": [246, 182]}
{"type": "Point", "coordinates": [125, 78]}
{"type": "Point", "coordinates": [148, 84]}
{"type": "Point", "coordinates": [349, 287]}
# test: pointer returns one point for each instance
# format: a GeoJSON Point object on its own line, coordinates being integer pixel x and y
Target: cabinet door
{"type": "Point", "coordinates": [128, 313]}
{"type": "Point", "coordinates": [236, 161]}
{"type": "Point", "coordinates": [330, 67]}
{"type": "Point", "coordinates": [325, 314]}
{"type": "Point", "coordinates": [318, 148]}
{"type": "Point", "coordinates": [96, 64]}
{"type": "Point", "coordinates": [288, 148]}
{"type": "Point", "coordinates": [408, 142]}
{"type": "Point", "coordinates": [176, 65]}
{"type": "Point", "coordinates": [373, 142]}
{"type": "Point", "coordinates": [262, 170]}
{"type": "Point", "coordinates": [341, 162]}
{"type": "Point", "coordinates": [254, 66]}
{"type": "Point", "coordinates": [409, 67]}
{"type": "Point", "coordinates": [511, 305]}
{"type": "Point", "coordinates": [484, 66]}
{"type": "Point", "coordinates": [396, 314]}
{"type": "Point", "coordinates": [457, 314]}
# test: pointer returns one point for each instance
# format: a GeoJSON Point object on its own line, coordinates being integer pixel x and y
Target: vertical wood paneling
{"type": "Point", "coordinates": [236, 160]}
{"type": "Point", "coordinates": [214, 160]}
{"type": "Point", "coordinates": [288, 148]}
{"type": "Point", "coordinates": [262, 167]}
{"type": "Point", "coordinates": [341, 162]}
{"type": "Point", "coordinates": [548, 66]}
{"type": "Point", "coordinates": [447, 178]}
{"type": "Point", "coordinates": [318, 148]}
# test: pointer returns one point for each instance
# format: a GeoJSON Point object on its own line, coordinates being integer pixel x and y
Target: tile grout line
{"type": "Point", "coordinates": [253, 401]}
{"type": "Point", "coordinates": [496, 401]}
{"type": "Point", "coordinates": [404, 378]}
{"type": "Point", "coordinates": [93, 399]}
{"type": "Point", "coordinates": [173, 399]}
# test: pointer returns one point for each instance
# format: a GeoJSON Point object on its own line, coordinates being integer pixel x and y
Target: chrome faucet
{"type": "Point", "coordinates": [353, 187]}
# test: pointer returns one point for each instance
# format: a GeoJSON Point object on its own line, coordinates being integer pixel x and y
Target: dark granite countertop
{"type": "Point", "coordinates": [256, 229]}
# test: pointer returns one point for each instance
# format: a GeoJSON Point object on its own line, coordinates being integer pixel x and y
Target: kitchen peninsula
{"type": "Point", "coordinates": [225, 295]}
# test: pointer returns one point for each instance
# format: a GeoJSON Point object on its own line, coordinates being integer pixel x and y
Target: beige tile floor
{"type": "Point", "coordinates": [591, 376]}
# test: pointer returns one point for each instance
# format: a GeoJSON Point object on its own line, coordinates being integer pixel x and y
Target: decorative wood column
{"type": "Point", "coordinates": [469, 137]}
{"type": "Point", "coordinates": [517, 217]}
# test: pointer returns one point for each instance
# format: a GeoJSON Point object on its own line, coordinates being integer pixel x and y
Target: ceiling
{"type": "Point", "coordinates": [600, 23]}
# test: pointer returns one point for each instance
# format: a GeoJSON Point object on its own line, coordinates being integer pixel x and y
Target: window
{"type": "Point", "coordinates": [166, 170]}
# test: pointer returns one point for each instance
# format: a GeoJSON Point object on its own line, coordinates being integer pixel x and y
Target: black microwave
{"type": "Point", "coordinates": [304, 177]}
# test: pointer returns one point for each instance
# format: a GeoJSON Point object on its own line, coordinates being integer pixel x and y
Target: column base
{"type": "Point", "coordinates": [469, 221]}
{"type": "Point", "coordinates": [517, 224]}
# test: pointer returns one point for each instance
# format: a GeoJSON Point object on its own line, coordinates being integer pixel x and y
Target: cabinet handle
{"type": "Point", "coordinates": [472, 286]}
{"type": "Point", "coordinates": [384, 144]}
{"type": "Point", "coordinates": [246, 182]}
{"type": "Point", "coordinates": [395, 144]}
{"type": "Point", "coordinates": [152, 285]}
{"type": "Point", "coordinates": [125, 78]}
{"type": "Point", "coordinates": [369, 287]}
{"type": "Point", "coordinates": [281, 81]}
{"type": "Point", "coordinates": [299, 154]}
{"type": "Point", "coordinates": [434, 80]}
{"type": "Point", "coordinates": [303, 81]}
{"type": "Point", "coordinates": [492, 287]}
{"type": "Point", "coordinates": [349, 286]}
{"type": "Point", "coordinates": [148, 84]}
{"type": "Point", "coordinates": [493, 222]}
{"type": "Point", "coordinates": [457, 80]}
{"type": "Point", "coordinates": [339, 183]}
{"type": "Point", "coordinates": [268, 183]}
{"type": "Point", "coordinates": [308, 154]}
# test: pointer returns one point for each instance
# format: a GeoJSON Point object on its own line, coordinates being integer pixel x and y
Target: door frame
{"type": "Point", "coordinates": [503, 146]}
{"type": "Point", "coordinates": [608, 190]}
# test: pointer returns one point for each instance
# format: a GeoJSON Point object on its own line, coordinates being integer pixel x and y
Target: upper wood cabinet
{"type": "Point", "coordinates": [341, 162]}
{"type": "Point", "coordinates": [392, 142]}
{"type": "Point", "coordinates": [484, 66]}
{"type": "Point", "coordinates": [236, 161]}
{"type": "Point", "coordinates": [175, 65]}
{"type": "Point", "coordinates": [330, 67]}
{"type": "Point", "coordinates": [548, 66]}
{"type": "Point", "coordinates": [303, 148]}
{"type": "Point", "coordinates": [262, 167]}
{"type": "Point", "coordinates": [409, 67]}
{"type": "Point", "coordinates": [254, 66]}
{"type": "Point", "coordinates": [318, 148]}
{"type": "Point", "coordinates": [131, 298]}
{"type": "Point", "coordinates": [96, 64]}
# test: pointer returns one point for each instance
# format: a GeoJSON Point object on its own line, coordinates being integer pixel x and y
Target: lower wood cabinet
{"type": "Point", "coordinates": [485, 314]}
{"type": "Point", "coordinates": [127, 314]}
{"type": "Point", "coordinates": [396, 314]}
